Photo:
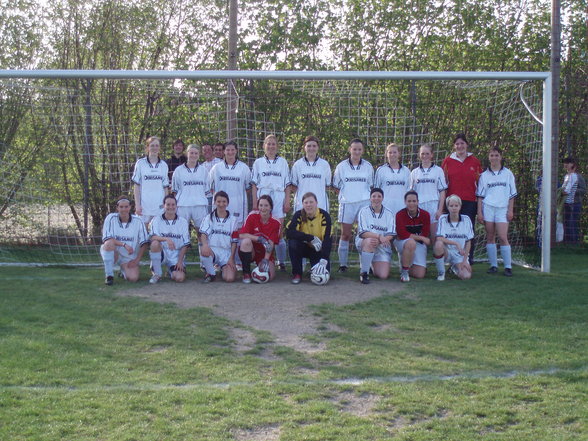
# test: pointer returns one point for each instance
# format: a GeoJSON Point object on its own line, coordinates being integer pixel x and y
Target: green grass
{"type": "Point", "coordinates": [487, 359]}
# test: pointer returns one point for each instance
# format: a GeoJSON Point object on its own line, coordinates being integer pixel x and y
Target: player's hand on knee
{"type": "Point", "coordinates": [316, 243]}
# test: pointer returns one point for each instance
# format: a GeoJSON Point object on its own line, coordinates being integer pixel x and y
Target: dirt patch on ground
{"type": "Point", "coordinates": [278, 307]}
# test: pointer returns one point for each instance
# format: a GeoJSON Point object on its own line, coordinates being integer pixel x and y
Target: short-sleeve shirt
{"type": "Point", "coordinates": [221, 232]}
{"type": "Point", "coordinates": [235, 180]}
{"type": "Point", "coordinates": [407, 224]}
{"type": "Point", "coordinates": [177, 229]}
{"type": "Point", "coordinates": [312, 177]}
{"type": "Point", "coordinates": [270, 175]}
{"type": "Point", "coordinates": [190, 185]}
{"type": "Point", "coordinates": [253, 225]}
{"type": "Point", "coordinates": [394, 183]}
{"type": "Point", "coordinates": [570, 186]}
{"type": "Point", "coordinates": [462, 176]}
{"type": "Point", "coordinates": [353, 181]}
{"type": "Point", "coordinates": [132, 233]}
{"type": "Point", "coordinates": [383, 223]}
{"type": "Point", "coordinates": [497, 188]}
{"type": "Point", "coordinates": [428, 182]}
{"type": "Point", "coordinates": [460, 232]}
{"type": "Point", "coordinates": [153, 179]}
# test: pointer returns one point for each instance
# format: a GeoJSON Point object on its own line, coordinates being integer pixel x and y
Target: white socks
{"type": "Point", "coordinates": [108, 258]}
{"type": "Point", "coordinates": [155, 263]}
{"type": "Point", "coordinates": [506, 255]}
{"type": "Point", "coordinates": [492, 254]}
{"type": "Point", "coordinates": [343, 252]}
{"type": "Point", "coordinates": [366, 261]}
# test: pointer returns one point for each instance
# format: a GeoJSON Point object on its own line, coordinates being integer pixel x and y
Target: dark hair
{"type": "Point", "coordinates": [569, 160]}
{"type": "Point", "coordinates": [354, 140]}
{"type": "Point", "coordinates": [310, 138]}
{"type": "Point", "coordinates": [169, 196]}
{"type": "Point", "coordinates": [462, 137]}
{"type": "Point", "coordinates": [377, 190]}
{"type": "Point", "coordinates": [233, 143]}
{"type": "Point", "coordinates": [496, 149]}
{"type": "Point", "coordinates": [179, 141]}
{"type": "Point", "coordinates": [309, 194]}
{"type": "Point", "coordinates": [409, 192]}
{"type": "Point", "coordinates": [123, 197]}
{"type": "Point", "coordinates": [219, 143]}
{"type": "Point", "coordinates": [219, 194]}
{"type": "Point", "coordinates": [268, 198]}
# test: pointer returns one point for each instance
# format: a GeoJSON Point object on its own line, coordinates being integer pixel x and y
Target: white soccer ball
{"type": "Point", "coordinates": [319, 277]}
{"type": "Point", "coordinates": [259, 276]}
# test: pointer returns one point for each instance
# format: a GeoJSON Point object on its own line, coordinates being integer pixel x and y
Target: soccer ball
{"type": "Point", "coordinates": [320, 278]}
{"type": "Point", "coordinates": [259, 276]}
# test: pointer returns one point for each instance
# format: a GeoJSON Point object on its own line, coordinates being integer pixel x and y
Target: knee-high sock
{"type": "Point", "coordinates": [366, 261]}
{"type": "Point", "coordinates": [440, 264]}
{"type": "Point", "coordinates": [343, 252]}
{"type": "Point", "coordinates": [208, 264]}
{"type": "Point", "coordinates": [155, 262]}
{"type": "Point", "coordinates": [492, 254]}
{"type": "Point", "coordinates": [246, 258]}
{"type": "Point", "coordinates": [108, 258]}
{"type": "Point", "coordinates": [281, 251]}
{"type": "Point", "coordinates": [505, 251]}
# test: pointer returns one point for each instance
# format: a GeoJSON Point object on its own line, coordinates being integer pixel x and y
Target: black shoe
{"type": "Point", "coordinates": [209, 278]}
{"type": "Point", "coordinates": [492, 270]}
{"type": "Point", "coordinates": [109, 280]}
{"type": "Point", "coordinates": [342, 269]}
{"type": "Point", "coordinates": [508, 272]}
{"type": "Point", "coordinates": [364, 278]}
{"type": "Point", "coordinates": [282, 267]}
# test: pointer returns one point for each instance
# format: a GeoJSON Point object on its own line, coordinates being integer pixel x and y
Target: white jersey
{"type": "Point", "coordinates": [497, 188]}
{"type": "Point", "coordinates": [209, 164]}
{"type": "Point", "coordinates": [353, 181]}
{"type": "Point", "coordinates": [383, 223]}
{"type": "Point", "coordinates": [176, 229]}
{"type": "Point", "coordinates": [428, 182]}
{"type": "Point", "coordinates": [219, 231]}
{"type": "Point", "coordinates": [153, 179]}
{"type": "Point", "coordinates": [270, 176]}
{"type": "Point", "coordinates": [235, 180]}
{"type": "Point", "coordinates": [394, 183]}
{"type": "Point", "coordinates": [190, 185]}
{"type": "Point", "coordinates": [132, 233]}
{"type": "Point", "coordinates": [459, 232]}
{"type": "Point", "coordinates": [312, 177]}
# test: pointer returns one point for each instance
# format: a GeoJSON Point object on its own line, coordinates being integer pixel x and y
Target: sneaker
{"type": "Point", "coordinates": [209, 278]}
{"type": "Point", "coordinates": [296, 279]}
{"type": "Point", "coordinates": [364, 278]}
{"type": "Point", "coordinates": [404, 277]}
{"type": "Point", "coordinates": [441, 277]}
{"type": "Point", "coordinates": [282, 267]}
{"type": "Point", "coordinates": [246, 278]}
{"type": "Point", "coordinates": [109, 280]}
{"type": "Point", "coordinates": [492, 270]}
{"type": "Point", "coordinates": [342, 269]}
{"type": "Point", "coordinates": [508, 272]}
{"type": "Point", "coordinates": [239, 267]}
{"type": "Point", "coordinates": [154, 279]}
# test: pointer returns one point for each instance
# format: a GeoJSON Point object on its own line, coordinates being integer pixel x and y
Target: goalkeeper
{"type": "Point", "coordinates": [309, 236]}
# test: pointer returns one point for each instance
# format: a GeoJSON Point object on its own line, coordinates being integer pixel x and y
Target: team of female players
{"type": "Point", "coordinates": [393, 208]}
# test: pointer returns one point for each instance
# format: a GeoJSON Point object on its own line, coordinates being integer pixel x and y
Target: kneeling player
{"type": "Point", "coordinates": [412, 237]}
{"type": "Point", "coordinates": [124, 240]}
{"type": "Point", "coordinates": [219, 237]}
{"type": "Point", "coordinates": [454, 235]}
{"type": "Point", "coordinates": [170, 240]}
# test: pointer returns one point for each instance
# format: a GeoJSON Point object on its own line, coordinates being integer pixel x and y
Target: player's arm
{"type": "Point", "coordinates": [510, 210]}
{"type": "Point", "coordinates": [422, 239]}
{"type": "Point", "coordinates": [287, 195]}
{"type": "Point", "coordinates": [441, 205]}
{"type": "Point", "coordinates": [203, 239]}
{"type": "Point", "coordinates": [181, 255]}
{"type": "Point", "coordinates": [168, 240]}
{"type": "Point", "coordinates": [480, 209]}
{"type": "Point", "coordinates": [137, 195]}
{"type": "Point", "coordinates": [254, 196]}
{"type": "Point", "coordinates": [142, 248]}
{"type": "Point", "coordinates": [466, 250]}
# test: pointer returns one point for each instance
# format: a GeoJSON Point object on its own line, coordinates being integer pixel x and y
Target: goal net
{"type": "Point", "coordinates": [68, 146]}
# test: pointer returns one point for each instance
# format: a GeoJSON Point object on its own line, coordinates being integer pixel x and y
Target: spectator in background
{"type": "Point", "coordinates": [574, 189]}
{"type": "Point", "coordinates": [219, 150]}
{"type": "Point", "coordinates": [177, 158]}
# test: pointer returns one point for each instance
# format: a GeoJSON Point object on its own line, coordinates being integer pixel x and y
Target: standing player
{"type": "Point", "coordinates": [375, 231]}
{"type": "Point", "coordinates": [151, 181]}
{"type": "Point", "coordinates": [454, 239]}
{"type": "Point", "coordinates": [270, 175]}
{"type": "Point", "coordinates": [353, 180]}
{"type": "Point", "coordinates": [234, 178]}
{"type": "Point", "coordinates": [412, 237]}
{"type": "Point", "coordinates": [177, 157]}
{"type": "Point", "coordinates": [219, 237]}
{"type": "Point", "coordinates": [259, 235]}
{"type": "Point", "coordinates": [393, 178]}
{"type": "Point", "coordinates": [170, 240]}
{"type": "Point", "coordinates": [209, 161]}
{"type": "Point", "coordinates": [428, 180]}
{"type": "Point", "coordinates": [124, 240]}
{"type": "Point", "coordinates": [311, 173]}
{"type": "Point", "coordinates": [496, 193]}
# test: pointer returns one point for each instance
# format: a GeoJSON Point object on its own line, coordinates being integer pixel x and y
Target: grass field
{"type": "Point", "coordinates": [488, 359]}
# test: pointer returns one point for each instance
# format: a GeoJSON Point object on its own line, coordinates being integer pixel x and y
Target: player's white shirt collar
{"type": "Point", "coordinates": [271, 161]}
{"type": "Point", "coordinates": [454, 156]}
{"type": "Point", "coordinates": [172, 221]}
{"type": "Point", "coordinates": [451, 223]}
{"type": "Point", "coordinates": [191, 170]}
{"type": "Point", "coordinates": [150, 163]}
{"type": "Point", "coordinates": [400, 166]}
{"type": "Point", "coordinates": [311, 163]}
{"type": "Point", "coordinates": [222, 219]}
{"type": "Point", "coordinates": [355, 167]}
{"type": "Point", "coordinates": [427, 169]}
{"type": "Point", "coordinates": [124, 224]}
{"type": "Point", "coordinates": [377, 215]}
{"type": "Point", "coordinates": [232, 167]}
{"type": "Point", "coordinates": [497, 172]}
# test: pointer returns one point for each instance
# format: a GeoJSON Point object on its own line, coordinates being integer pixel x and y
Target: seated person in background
{"type": "Point", "coordinates": [124, 240]}
{"type": "Point", "coordinates": [412, 237]}
{"type": "Point", "coordinates": [309, 236]}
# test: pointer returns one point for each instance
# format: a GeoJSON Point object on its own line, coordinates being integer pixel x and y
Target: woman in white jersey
{"type": "Point", "coordinates": [151, 180]}
{"type": "Point", "coordinates": [393, 178]}
{"type": "Point", "coordinates": [496, 192]}
{"type": "Point", "coordinates": [234, 178]}
{"type": "Point", "coordinates": [454, 239]}
{"type": "Point", "coordinates": [270, 175]}
{"type": "Point", "coordinates": [428, 180]}
{"type": "Point", "coordinates": [219, 237]}
{"type": "Point", "coordinates": [353, 179]}
{"type": "Point", "coordinates": [311, 174]}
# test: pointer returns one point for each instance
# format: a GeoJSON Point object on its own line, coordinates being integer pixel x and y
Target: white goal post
{"type": "Point", "coordinates": [545, 77]}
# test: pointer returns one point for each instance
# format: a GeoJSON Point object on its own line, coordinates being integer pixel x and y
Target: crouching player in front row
{"type": "Point", "coordinates": [124, 240]}
{"type": "Point", "coordinates": [454, 239]}
{"type": "Point", "coordinates": [170, 240]}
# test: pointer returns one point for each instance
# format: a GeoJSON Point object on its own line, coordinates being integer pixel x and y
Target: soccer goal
{"type": "Point", "coordinates": [69, 139]}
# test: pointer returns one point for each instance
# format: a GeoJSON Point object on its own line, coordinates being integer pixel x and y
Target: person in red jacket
{"type": "Point", "coordinates": [462, 170]}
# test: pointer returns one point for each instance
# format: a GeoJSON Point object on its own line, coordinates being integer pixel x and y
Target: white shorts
{"type": "Point", "coordinates": [194, 212]}
{"type": "Point", "coordinates": [420, 253]}
{"type": "Point", "coordinates": [348, 211]}
{"type": "Point", "coordinates": [382, 253]}
{"type": "Point", "coordinates": [494, 214]}
{"type": "Point", "coordinates": [168, 262]}
{"type": "Point", "coordinates": [452, 256]}
{"type": "Point", "coordinates": [430, 207]}
{"type": "Point", "coordinates": [122, 256]}
{"type": "Point", "coordinates": [221, 255]}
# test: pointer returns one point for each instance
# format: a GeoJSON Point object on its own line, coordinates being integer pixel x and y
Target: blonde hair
{"type": "Point", "coordinates": [193, 146]}
{"type": "Point", "coordinates": [268, 137]}
{"type": "Point", "coordinates": [393, 145]}
{"type": "Point", "coordinates": [427, 146]}
{"type": "Point", "coordinates": [453, 198]}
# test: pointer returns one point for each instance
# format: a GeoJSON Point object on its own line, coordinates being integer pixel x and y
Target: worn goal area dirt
{"type": "Point", "coordinates": [277, 307]}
